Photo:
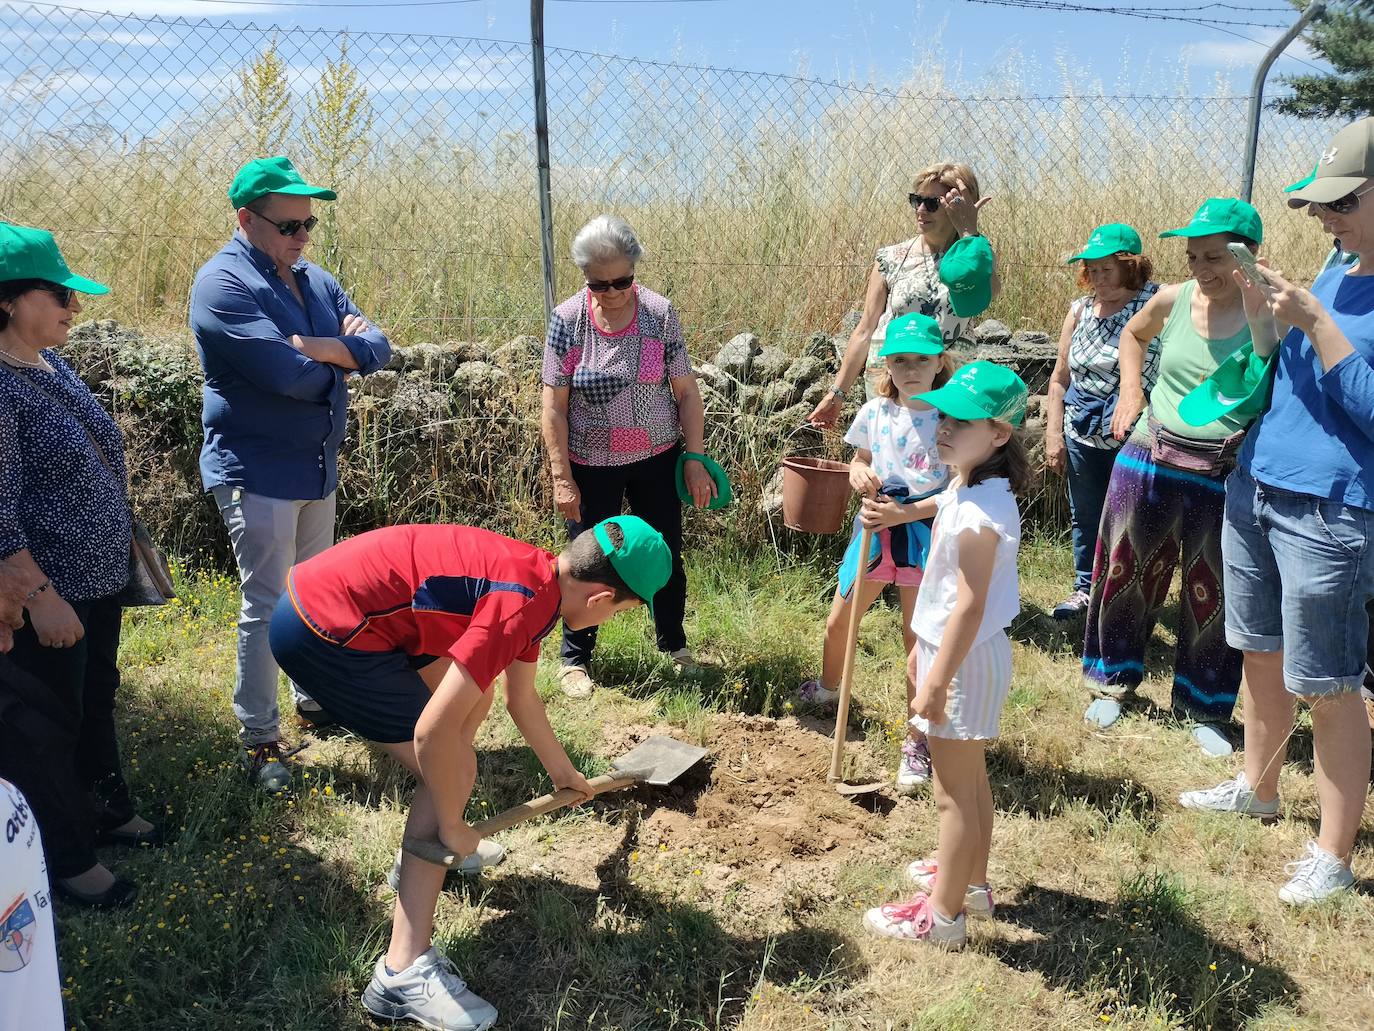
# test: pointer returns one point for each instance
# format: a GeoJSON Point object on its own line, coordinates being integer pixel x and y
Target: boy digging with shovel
{"type": "Point", "coordinates": [399, 634]}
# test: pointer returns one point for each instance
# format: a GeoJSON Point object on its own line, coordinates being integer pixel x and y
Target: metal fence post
{"type": "Point", "coordinates": [541, 142]}
{"type": "Point", "coordinates": [1257, 92]}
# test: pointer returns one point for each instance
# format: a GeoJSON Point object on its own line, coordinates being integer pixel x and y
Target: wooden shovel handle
{"type": "Point", "coordinates": [434, 852]}
{"type": "Point", "coordinates": [851, 645]}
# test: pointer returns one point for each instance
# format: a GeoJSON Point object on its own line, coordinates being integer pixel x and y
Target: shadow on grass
{"type": "Point", "coordinates": [1143, 951]}
{"type": "Point", "coordinates": [618, 955]}
{"type": "Point", "coordinates": [1043, 790]}
{"type": "Point", "coordinates": [236, 924]}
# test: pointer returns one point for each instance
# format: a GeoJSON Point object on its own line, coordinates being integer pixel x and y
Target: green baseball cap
{"type": "Point", "coordinates": [1343, 167]}
{"type": "Point", "coordinates": [1239, 386]}
{"type": "Point", "coordinates": [966, 269]}
{"type": "Point", "coordinates": [912, 333]}
{"type": "Point", "coordinates": [1223, 215]}
{"type": "Point", "coordinates": [980, 390]}
{"type": "Point", "coordinates": [724, 493]}
{"type": "Point", "coordinates": [27, 253]}
{"type": "Point", "coordinates": [1109, 239]}
{"type": "Point", "coordinates": [642, 560]}
{"type": "Point", "coordinates": [272, 175]}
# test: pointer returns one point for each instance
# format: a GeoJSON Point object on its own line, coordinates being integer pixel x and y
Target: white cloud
{"type": "Point", "coordinates": [1232, 53]}
{"type": "Point", "coordinates": [181, 8]}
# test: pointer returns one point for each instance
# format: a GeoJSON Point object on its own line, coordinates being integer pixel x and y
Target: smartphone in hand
{"type": "Point", "coordinates": [1249, 267]}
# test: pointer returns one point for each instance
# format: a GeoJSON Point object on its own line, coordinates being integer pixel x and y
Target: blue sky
{"type": "Point", "coordinates": [848, 40]}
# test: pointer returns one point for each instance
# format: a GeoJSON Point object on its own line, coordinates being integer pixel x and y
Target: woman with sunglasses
{"type": "Point", "coordinates": [621, 405]}
{"type": "Point", "coordinates": [1299, 529]}
{"type": "Point", "coordinates": [65, 532]}
{"type": "Point", "coordinates": [907, 277]}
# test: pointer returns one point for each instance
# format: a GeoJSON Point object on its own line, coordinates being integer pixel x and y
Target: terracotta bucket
{"type": "Point", "coordinates": [815, 494]}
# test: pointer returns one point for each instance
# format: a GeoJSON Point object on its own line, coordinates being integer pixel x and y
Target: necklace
{"type": "Point", "coordinates": [17, 362]}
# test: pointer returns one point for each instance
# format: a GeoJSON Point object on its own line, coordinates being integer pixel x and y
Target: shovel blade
{"type": "Point", "coordinates": [659, 759]}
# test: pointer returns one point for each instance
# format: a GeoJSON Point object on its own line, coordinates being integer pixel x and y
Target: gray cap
{"type": "Point", "coordinates": [1343, 168]}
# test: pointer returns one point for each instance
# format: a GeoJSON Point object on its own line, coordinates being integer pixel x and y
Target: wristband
{"type": "Point", "coordinates": [37, 591]}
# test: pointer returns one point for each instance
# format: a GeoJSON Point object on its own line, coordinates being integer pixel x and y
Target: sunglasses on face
{"type": "Point", "coordinates": [1344, 205]}
{"type": "Point", "coordinates": [918, 202]}
{"type": "Point", "coordinates": [62, 293]}
{"type": "Point", "coordinates": [292, 226]}
{"type": "Point", "coordinates": [600, 286]}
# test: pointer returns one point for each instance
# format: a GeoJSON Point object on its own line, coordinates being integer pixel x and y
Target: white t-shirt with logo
{"type": "Point", "coordinates": [30, 992]}
{"type": "Point", "coordinates": [902, 441]}
{"type": "Point", "coordinates": [989, 504]}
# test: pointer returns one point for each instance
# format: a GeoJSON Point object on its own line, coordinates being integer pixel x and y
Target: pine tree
{"type": "Point", "coordinates": [1344, 35]}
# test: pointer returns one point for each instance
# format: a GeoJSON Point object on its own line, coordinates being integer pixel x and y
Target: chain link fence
{"type": "Point", "coordinates": [760, 198]}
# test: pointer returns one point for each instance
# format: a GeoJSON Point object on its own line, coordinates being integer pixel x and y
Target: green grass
{"type": "Point", "coordinates": [1116, 907]}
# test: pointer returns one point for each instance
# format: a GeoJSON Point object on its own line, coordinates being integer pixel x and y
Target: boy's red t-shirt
{"type": "Point", "coordinates": [480, 598]}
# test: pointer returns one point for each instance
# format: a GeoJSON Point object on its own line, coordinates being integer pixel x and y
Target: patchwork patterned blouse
{"type": "Point", "coordinates": [1095, 359]}
{"type": "Point", "coordinates": [913, 282]}
{"type": "Point", "coordinates": [621, 407]}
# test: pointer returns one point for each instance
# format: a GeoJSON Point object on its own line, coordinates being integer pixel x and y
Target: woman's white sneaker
{"type": "Point", "coordinates": [977, 900]}
{"type": "Point", "coordinates": [430, 993]}
{"type": "Point", "coordinates": [1233, 796]}
{"type": "Point", "coordinates": [1315, 878]}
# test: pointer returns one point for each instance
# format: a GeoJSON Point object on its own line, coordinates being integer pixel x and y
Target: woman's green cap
{"type": "Point", "coordinates": [27, 253]}
{"type": "Point", "coordinates": [724, 493]}
{"type": "Point", "coordinates": [272, 175]}
{"type": "Point", "coordinates": [1239, 386]}
{"type": "Point", "coordinates": [642, 560]}
{"type": "Point", "coordinates": [1223, 215]}
{"type": "Point", "coordinates": [966, 269]}
{"type": "Point", "coordinates": [980, 390]}
{"type": "Point", "coordinates": [913, 333]}
{"type": "Point", "coordinates": [1109, 239]}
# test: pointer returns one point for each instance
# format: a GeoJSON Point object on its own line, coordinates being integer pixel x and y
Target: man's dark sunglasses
{"type": "Point", "coordinates": [600, 286]}
{"type": "Point", "coordinates": [62, 293]}
{"type": "Point", "coordinates": [918, 202]}
{"type": "Point", "coordinates": [292, 226]}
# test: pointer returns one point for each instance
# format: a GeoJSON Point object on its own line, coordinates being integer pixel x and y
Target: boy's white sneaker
{"type": "Point", "coordinates": [977, 900]}
{"type": "Point", "coordinates": [1315, 878]}
{"type": "Point", "coordinates": [430, 993]}
{"type": "Point", "coordinates": [913, 770]}
{"type": "Point", "coordinates": [576, 682]}
{"type": "Point", "coordinates": [488, 853]}
{"type": "Point", "coordinates": [1232, 796]}
{"type": "Point", "coordinates": [916, 920]}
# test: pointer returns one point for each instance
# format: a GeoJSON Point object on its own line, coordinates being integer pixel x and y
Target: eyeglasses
{"type": "Point", "coordinates": [600, 286]}
{"type": "Point", "coordinates": [292, 226]}
{"type": "Point", "coordinates": [918, 202]}
{"type": "Point", "coordinates": [1344, 205]}
{"type": "Point", "coordinates": [62, 293]}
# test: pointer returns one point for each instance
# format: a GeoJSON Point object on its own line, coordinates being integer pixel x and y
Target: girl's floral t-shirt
{"type": "Point", "coordinates": [621, 407]}
{"type": "Point", "coordinates": [902, 442]}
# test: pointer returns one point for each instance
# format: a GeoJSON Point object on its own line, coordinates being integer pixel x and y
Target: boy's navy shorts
{"type": "Point", "coordinates": [377, 695]}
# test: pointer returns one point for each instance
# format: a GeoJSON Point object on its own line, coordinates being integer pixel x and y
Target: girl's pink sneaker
{"type": "Point", "coordinates": [977, 900]}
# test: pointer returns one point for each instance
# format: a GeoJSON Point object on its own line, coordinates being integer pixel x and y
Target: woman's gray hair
{"type": "Point", "coordinates": [605, 238]}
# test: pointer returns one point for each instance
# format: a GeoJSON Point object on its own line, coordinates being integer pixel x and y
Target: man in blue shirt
{"type": "Point", "coordinates": [277, 337]}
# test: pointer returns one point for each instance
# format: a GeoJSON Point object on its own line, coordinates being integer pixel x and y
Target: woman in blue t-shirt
{"type": "Point", "coordinates": [1299, 569]}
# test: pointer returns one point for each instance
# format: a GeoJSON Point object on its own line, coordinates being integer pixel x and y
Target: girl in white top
{"type": "Point", "coordinates": [897, 470]}
{"type": "Point", "coordinates": [962, 658]}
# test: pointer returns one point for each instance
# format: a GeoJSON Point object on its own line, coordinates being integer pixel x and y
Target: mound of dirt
{"type": "Point", "coordinates": [760, 800]}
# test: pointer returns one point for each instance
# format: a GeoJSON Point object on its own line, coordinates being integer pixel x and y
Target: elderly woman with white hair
{"type": "Point", "coordinates": [621, 406]}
